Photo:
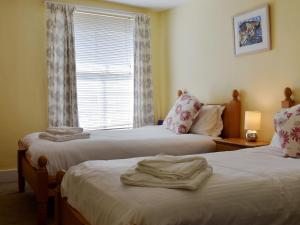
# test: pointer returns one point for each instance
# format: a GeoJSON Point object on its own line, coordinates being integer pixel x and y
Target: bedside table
{"type": "Point", "coordinates": [231, 144]}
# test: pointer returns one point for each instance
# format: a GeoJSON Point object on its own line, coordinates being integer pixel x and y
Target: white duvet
{"type": "Point", "coordinates": [248, 187]}
{"type": "Point", "coordinates": [116, 144]}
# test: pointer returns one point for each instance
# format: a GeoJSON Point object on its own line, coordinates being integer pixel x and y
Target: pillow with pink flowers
{"type": "Point", "coordinates": [287, 126]}
{"type": "Point", "coordinates": [182, 114]}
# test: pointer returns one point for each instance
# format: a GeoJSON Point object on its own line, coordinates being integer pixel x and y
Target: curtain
{"type": "Point", "coordinates": [62, 97]}
{"type": "Point", "coordinates": [143, 102]}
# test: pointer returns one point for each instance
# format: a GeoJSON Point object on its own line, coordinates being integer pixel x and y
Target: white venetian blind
{"type": "Point", "coordinates": [104, 64]}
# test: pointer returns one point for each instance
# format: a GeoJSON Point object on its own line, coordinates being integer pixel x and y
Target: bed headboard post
{"type": "Point", "coordinates": [179, 93]}
{"type": "Point", "coordinates": [288, 101]}
{"type": "Point", "coordinates": [232, 117]}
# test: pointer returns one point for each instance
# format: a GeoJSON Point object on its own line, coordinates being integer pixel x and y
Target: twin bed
{"type": "Point", "coordinates": [255, 186]}
{"type": "Point", "coordinates": [39, 160]}
{"type": "Point", "coordinates": [249, 187]}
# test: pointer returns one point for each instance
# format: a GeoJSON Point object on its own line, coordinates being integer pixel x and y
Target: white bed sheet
{"type": "Point", "coordinates": [248, 187]}
{"type": "Point", "coordinates": [116, 144]}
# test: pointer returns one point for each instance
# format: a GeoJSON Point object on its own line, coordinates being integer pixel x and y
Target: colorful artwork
{"type": "Point", "coordinates": [250, 31]}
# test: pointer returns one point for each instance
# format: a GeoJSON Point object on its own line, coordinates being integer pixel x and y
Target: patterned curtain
{"type": "Point", "coordinates": [62, 99]}
{"type": "Point", "coordinates": [143, 102]}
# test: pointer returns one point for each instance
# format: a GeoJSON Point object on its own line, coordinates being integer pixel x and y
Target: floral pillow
{"type": "Point", "coordinates": [183, 113]}
{"type": "Point", "coordinates": [287, 126]}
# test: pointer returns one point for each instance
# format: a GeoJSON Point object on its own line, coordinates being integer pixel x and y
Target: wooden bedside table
{"type": "Point", "coordinates": [231, 144]}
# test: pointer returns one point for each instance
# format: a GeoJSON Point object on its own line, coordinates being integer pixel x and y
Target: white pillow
{"type": "Point", "coordinates": [209, 121]}
{"type": "Point", "coordinates": [219, 124]}
{"type": "Point", "coordinates": [275, 141]}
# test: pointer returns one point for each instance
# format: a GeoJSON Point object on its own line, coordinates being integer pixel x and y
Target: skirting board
{"type": "Point", "coordinates": [7, 176]}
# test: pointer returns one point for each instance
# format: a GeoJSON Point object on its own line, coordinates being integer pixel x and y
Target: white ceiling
{"type": "Point", "coordinates": [152, 4]}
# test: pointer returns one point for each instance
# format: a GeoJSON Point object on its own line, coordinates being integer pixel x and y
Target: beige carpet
{"type": "Point", "coordinates": [17, 208]}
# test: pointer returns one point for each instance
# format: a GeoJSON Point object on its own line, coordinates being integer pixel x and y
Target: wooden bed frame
{"type": "Point", "coordinates": [65, 214]}
{"type": "Point", "coordinates": [44, 185]}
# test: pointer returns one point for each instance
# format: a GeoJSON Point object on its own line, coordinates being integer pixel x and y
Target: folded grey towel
{"type": "Point", "coordinates": [61, 138]}
{"type": "Point", "coordinates": [64, 130]}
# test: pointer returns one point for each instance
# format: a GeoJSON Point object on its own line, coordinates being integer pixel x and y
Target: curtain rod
{"type": "Point", "coordinates": [95, 9]}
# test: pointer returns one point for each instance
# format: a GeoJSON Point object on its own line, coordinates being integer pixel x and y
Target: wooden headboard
{"type": "Point", "coordinates": [288, 101]}
{"type": "Point", "coordinates": [231, 116]}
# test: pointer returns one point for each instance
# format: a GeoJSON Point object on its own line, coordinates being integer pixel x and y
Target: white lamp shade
{"type": "Point", "coordinates": [252, 120]}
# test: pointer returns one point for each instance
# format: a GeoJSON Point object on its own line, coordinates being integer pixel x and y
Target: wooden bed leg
{"type": "Point", "coordinates": [42, 210]}
{"type": "Point", "coordinates": [58, 198]}
{"type": "Point", "coordinates": [21, 155]}
{"type": "Point", "coordinates": [41, 193]}
{"type": "Point", "coordinates": [57, 209]}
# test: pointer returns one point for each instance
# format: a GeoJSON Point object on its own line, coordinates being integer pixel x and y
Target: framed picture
{"type": "Point", "coordinates": [252, 31]}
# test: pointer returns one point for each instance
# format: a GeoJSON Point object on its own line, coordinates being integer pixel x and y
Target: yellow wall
{"type": "Point", "coordinates": [200, 57]}
{"type": "Point", "coordinates": [192, 48]}
{"type": "Point", "coordinates": [23, 70]}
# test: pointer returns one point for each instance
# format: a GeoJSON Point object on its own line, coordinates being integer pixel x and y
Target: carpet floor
{"type": "Point", "coordinates": [17, 208]}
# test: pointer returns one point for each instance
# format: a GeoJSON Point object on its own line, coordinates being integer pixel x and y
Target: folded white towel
{"type": "Point", "coordinates": [136, 178]}
{"type": "Point", "coordinates": [60, 138]}
{"type": "Point", "coordinates": [172, 167]}
{"type": "Point", "coordinates": [64, 130]}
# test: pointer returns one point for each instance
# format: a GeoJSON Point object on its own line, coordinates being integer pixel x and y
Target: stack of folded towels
{"type": "Point", "coordinates": [59, 134]}
{"type": "Point", "coordinates": [181, 172]}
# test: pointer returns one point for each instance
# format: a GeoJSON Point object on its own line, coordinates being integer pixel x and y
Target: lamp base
{"type": "Point", "coordinates": [251, 135]}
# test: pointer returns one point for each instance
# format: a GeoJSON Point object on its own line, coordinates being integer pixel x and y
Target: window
{"type": "Point", "coordinates": [104, 62]}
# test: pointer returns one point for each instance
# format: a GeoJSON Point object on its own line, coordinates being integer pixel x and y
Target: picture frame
{"type": "Point", "coordinates": [252, 31]}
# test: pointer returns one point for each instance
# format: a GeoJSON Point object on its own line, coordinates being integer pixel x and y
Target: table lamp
{"type": "Point", "coordinates": [252, 124]}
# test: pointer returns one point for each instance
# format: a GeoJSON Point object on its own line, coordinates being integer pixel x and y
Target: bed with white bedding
{"type": "Point", "coordinates": [116, 144]}
{"type": "Point", "coordinates": [39, 160]}
{"type": "Point", "coordinates": [249, 187]}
